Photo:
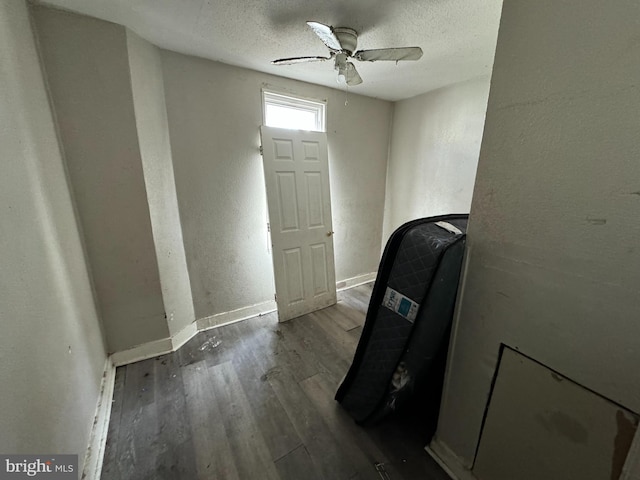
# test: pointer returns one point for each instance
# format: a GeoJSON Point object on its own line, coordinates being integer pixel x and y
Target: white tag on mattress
{"type": "Point", "coordinates": [403, 306]}
{"type": "Point", "coordinates": [450, 228]}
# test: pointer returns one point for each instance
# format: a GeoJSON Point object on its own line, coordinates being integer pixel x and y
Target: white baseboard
{"type": "Point", "coordinates": [98, 439]}
{"type": "Point", "coordinates": [183, 336]}
{"type": "Point", "coordinates": [448, 461]}
{"type": "Point", "coordinates": [168, 345]}
{"type": "Point", "coordinates": [155, 348]}
{"type": "Point", "coordinates": [142, 352]}
{"type": "Point", "coordinates": [171, 344]}
{"type": "Point", "coordinates": [355, 281]}
{"type": "Point", "coordinates": [225, 318]}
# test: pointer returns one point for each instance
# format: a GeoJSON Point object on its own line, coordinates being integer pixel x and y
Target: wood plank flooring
{"type": "Point", "coordinates": [254, 400]}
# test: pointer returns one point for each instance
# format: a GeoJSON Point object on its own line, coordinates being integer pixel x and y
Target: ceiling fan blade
{"type": "Point", "coordinates": [352, 75]}
{"type": "Point", "coordinates": [325, 32]}
{"type": "Point", "coordinates": [294, 60]}
{"type": "Point", "coordinates": [390, 54]}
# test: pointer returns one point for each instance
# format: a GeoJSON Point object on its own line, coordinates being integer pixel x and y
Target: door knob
{"type": "Point", "coordinates": [329, 233]}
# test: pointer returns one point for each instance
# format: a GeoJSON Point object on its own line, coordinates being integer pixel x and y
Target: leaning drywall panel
{"type": "Point", "coordinates": [541, 425]}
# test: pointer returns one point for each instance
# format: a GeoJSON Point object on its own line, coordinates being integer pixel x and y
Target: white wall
{"type": "Point", "coordinates": [51, 349]}
{"type": "Point", "coordinates": [215, 112]}
{"type": "Point", "coordinates": [435, 145]}
{"type": "Point", "coordinates": [155, 150]}
{"type": "Point", "coordinates": [553, 264]}
{"type": "Point", "coordinates": [87, 68]}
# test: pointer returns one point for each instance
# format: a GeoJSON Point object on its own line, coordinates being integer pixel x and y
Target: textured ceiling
{"type": "Point", "coordinates": [457, 36]}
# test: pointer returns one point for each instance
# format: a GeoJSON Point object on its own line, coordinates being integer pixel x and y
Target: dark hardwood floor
{"type": "Point", "coordinates": [254, 400]}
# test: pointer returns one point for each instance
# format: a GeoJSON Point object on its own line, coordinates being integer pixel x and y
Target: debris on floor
{"type": "Point", "coordinates": [382, 471]}
{"type": "Point", "coordinates": [210, 344]}
{"type": "Point", "coordinates": [272, 372]}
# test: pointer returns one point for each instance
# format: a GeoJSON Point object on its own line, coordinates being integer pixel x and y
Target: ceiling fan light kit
{"type": "Point", "coordinates": [342, 43]}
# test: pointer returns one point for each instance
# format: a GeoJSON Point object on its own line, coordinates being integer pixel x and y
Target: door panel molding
{"type": "Point", "coordinates": [296, 168]}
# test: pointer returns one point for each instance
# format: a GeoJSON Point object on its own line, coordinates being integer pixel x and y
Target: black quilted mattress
{"type": "Point", "coordinates": [408, 319]}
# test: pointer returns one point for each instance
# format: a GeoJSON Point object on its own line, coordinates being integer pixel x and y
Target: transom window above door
{"type": "Point", "coordinates": [296, 113]}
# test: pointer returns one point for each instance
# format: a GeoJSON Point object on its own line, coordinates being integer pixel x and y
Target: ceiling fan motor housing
{"type": "Point", "coordinates": [348, 38]}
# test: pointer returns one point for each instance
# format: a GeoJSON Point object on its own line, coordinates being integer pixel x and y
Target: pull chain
{"type": "Point", "coordinates": [346, 95]}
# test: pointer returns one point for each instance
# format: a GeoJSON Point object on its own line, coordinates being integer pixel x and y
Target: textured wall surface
{"type": "Point", "coordinates": [155, 150]}
{"type": "Point", "coordinates": [553, 264]}
{"type": "Point", "coordinates": [215, 112]}
{"type": "Point", "coordinates": [51, 349]}
{"type": "Point", "coordinates": [87, 68]}
{"type": "Point", "coordinates": [435, 145]}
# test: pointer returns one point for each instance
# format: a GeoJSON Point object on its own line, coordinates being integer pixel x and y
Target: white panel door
{"type": "Point", "coordinates": [296, 169]}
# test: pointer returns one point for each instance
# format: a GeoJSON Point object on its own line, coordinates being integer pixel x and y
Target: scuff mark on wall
{"type": "Point", "coordinates": [597, 221]}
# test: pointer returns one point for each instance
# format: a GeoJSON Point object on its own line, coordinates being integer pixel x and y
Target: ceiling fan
{"type": "Point", "coordinates": [342, 43]}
